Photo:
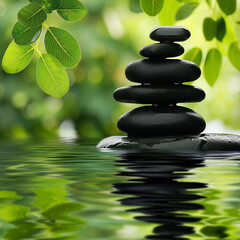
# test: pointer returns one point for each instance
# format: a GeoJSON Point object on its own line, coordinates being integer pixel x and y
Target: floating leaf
{"type": "Point", "coordinates": [227, 6]}
{"type": "Point", "coordinates": [23, 35]}
{"type": "Point", "coordinates": [63, 46]}
{"type": "Point", "coordinates": [32, 15]}
{"type": "Point", "coordinates": [212, 66]}
{"type": "Point", "coordinates": [51, 76]}
{"type": "Point", "coordinates": [234, 54]}
{"type": "Point", "coordinates": [152, 7]}
{"type": "Point", "coordinates": [51, 5]}
{"type": "Point", "coordinates": [185, 11]}
{"type": "Point", "coordinates": [209, 28]}
{"type": "Point", "coordinates": [194, 55]}
{"type": "Point", "coordinates": [221, 29]}
{"type": "Point", "coordinates": [72, 10]}
{"type": "Point", "coordinates": [17, 58]}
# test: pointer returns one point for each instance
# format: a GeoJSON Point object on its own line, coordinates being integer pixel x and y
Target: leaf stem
{"type": "Point", "coordinates": [46, 26]}
{"type": "Point", "coordinates": [214, 8]}
{"type": "Point", "coordinates": [36, 47]}
{"type": "Point", "coordinates": [39, 52]}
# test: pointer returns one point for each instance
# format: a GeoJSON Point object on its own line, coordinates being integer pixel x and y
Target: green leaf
{"type": "Point", "coordinates": [218, 232]}
{"type": "Point", "coordinates": [13, 212]}
{"type": "Point", "coordinates": [134, 6]}
{"type": "Point", "coordinates": [36, 1]}
{"type": "Point", "coordinates": [63, 46]}
{"type": "Point", "coordinates": [227, 6]}
{"type": "Point", "coordinates": [185, 11]}
{"type": "Point", "coordinates": [221, 29]}
{"type": "Point", "coordinates": [152, 7]}
{"type": "Point", "coordinates": [168, 13]}
{"type": "Point", "coordinates": [51, 5]}
{"type": "Point", "coordinates": [17, 58]}
{"type": "Point", "coordinates": [32, 15]}
{"type": "Point", "coordinates": [212, 66]}
{"type": "Point", "coordinates": [63, 211]}
{"type": "Point", "coordinates": [51, 76]}
{"type": "Point", "coordinates": [194, 55]}
{"type": "Point", "coordinates": [72, 10]}
{"type": "Point", "coordinates": [5, 194]}
{"type": "Point", "coordinates": [209, 28]}
{"type": "Point", "coordinates": [209, 2]}
{"type": "Point", "coordinates": [49, 192]}
{"type": "Point", "coordinates": [234, 54]}
{"type": "Point", "coordinates": [25, 35]}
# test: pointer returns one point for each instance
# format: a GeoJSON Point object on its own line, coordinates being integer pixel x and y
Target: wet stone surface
{"type": "Point", "coordinates": [162, 50]}
{"type": "Point", "coordinates": [166, 71]}
{"type": "Point", "coordinates": [184, 143]}
{"type": "Point", "coordinates": [161, 121]}
{"type": "Point", "coordinates": [170, 33]}
{"type": "Point", "coordinates": [168, 94]}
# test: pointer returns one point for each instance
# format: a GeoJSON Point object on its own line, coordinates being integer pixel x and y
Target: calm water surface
{"type": "Point", "coordinates": [52, 189]}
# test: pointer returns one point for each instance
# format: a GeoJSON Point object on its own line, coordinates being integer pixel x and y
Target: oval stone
{"type": "Point", "coordinates": [170, 34]}
{"type": "Point", "coordinates": [227, 143]}
{"type": "Point", "coordinates": [162, 71]}
{"type": "Point", "coordinates": [161, 121]}
{"type": "Point", "coordinates": [162, 50]}
{"type": "Point", "coordinates": [167, 94]}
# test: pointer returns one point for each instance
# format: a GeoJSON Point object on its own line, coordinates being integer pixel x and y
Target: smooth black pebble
{"type": "Point", "coordinates": [170, 33]}
{"type": "Point", "coordinates": [162, 50]}
{"type": "Point", "coordinates": [167, 94]}
{"type": "Point", "coordinates": [166, 71]}
{"type": "Point", "coordinates": [161, 121]}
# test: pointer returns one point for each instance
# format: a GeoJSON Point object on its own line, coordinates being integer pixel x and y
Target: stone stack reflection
{"type": "Point", "coordinates": [158, 194]}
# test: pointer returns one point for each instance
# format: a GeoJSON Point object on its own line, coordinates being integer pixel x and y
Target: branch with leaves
{"type": "Point", "coordinates": [223, 19]}
{"type": "Point", "coordinates": [62, 49]}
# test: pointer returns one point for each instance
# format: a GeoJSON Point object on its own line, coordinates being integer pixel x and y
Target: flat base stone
{"type": "Point", "coordinates": [202, 142]}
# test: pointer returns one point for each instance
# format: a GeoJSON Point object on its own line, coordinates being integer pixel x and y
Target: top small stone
{"type": "Point", "coordinates": [170, 34]}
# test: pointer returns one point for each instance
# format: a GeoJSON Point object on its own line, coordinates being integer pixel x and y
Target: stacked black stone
{"type": "Point", "coordinates": [161, 86]}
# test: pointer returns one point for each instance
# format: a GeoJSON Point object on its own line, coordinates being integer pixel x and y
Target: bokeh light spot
{"type": "Point", "coordinates": [95, 75]}
{"type": "Point", "coordinates": [19, 99]}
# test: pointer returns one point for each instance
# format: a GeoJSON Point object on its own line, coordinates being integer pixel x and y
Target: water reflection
{"type": "Point", "coordinates": [62, 190]}
{"type": "Point", "coordinates": [159, 194]}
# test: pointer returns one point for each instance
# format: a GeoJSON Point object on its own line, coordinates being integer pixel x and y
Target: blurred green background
{"type": "Point", "coordinates": [110, 36]}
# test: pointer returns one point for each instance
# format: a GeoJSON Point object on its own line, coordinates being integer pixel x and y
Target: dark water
{"type": "Point", "coordinates": [52, 189]}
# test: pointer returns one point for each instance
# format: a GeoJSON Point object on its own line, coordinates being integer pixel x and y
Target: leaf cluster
{"type": "Point", "coordinates": [215, 28]}
{"type": "Point", "coordinates": [62, 49]}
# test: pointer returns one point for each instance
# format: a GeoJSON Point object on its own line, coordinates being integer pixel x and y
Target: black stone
{"type": "Point", "coordinates": [162, 71]}
{"type": "Point", "coordinates": [170, 33]}
{"type": "Point", "coordinates": [205, 142]}
{"type": "Point", "coordinates": [167, 94]}
{"type": "Point", "coordinates": [162, 50]}
{"type": "Point", "coordinates": [161, 121]}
